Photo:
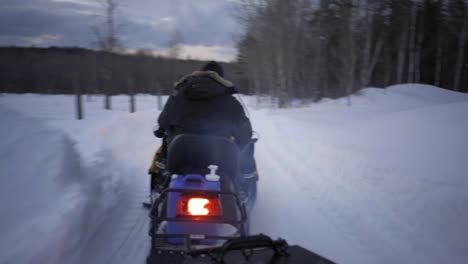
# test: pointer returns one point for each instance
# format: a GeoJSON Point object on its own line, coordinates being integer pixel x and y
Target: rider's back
{"type": "Point", "coordinates": [204, 105]}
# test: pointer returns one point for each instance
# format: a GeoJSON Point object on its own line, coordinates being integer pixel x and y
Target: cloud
{"type": "Point", "coordinates": [167, 19]}
{"type": "Point", "coordinates": [206, 26]}
{"type": "Point", "coordinates": [79, 2]}
{"type": "Point", "coordinates": [37, 41]}
{"type": "Point", "coordinates": [202, 52]}
{"type": "Point", "coordinates": [218, 53]}
{"type": "Point", "coordinates": [43, 39]}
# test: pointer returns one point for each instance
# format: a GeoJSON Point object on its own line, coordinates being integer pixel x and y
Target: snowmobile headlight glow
{"type": "Point", "coordinates": [198, 206]}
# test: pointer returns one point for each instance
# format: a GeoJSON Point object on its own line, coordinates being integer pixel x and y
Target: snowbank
{"type": "Point", "coordinates": [45, 192]}
{"type": "Point", "coordinates": [381, 181]}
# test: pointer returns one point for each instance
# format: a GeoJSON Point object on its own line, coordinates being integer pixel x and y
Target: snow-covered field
{"type": "Point", "coordinates": [382, 181]}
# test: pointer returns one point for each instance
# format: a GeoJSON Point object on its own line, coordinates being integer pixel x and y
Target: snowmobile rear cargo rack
{"type": "Point", "coordinates": [158, 215]}
{"type": "Point", "coordinates": [155, 213]}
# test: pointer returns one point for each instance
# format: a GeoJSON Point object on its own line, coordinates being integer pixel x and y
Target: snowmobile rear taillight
{"type": "Point", "coordinates": [198, 206]}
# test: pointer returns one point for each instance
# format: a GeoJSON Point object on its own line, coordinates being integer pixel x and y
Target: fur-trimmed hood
{"type": "Point", "coordinates": [211, 74]}
{"type": "Point", "coordinates": [201, 85]}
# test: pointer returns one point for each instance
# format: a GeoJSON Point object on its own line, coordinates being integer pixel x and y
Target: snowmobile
{"type": "Point", "coordinates": [199, 211]}
{"type": "Point", "coordinates": [198, 203]}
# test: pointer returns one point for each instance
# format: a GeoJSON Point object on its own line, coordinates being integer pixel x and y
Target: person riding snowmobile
{"type": "Point", "coordinates": [203, 103]}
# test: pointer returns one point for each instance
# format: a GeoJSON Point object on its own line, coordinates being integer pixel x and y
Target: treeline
{"type": "Point", "coordinates": [331, 48]}
{"type": "Point", "coordinates": [66, 70]}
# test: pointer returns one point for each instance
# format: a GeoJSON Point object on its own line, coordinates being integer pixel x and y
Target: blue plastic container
{"type": "Point", "coordinates": [189, 182]}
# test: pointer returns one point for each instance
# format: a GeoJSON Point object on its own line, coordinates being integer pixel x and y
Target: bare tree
{"type": "Point", "coordinates": [254, 51]}
{"type": "Point", "coordinates": [106, 32]}
{"type": "Point", "coordinates": [351, 58]}
{"type": "Point", "coordinates": [322, 39]}
{"type": "Point", "coordinates": [131, 93]}
{"type": "Point", "coordinates": [78, 96]}
{"type": "Point", "coordinates": [461, 48]}
{"type": "Point", "coordinates": [369, 58]}
{"type": "Point", "coordinates": [105, 82]}
{"type": "Point", "coordinates": [402, 47]}
{"type": "Point", "coordinates": [279, 45]}
{"type": "Point", "coordinates": [441, 20]}
{"type": "Point", "coordinates": [412, 41]}
{"type": "Point", "coordinates": [175, 45]}
{"type": "Point", "coordinates": [346, 51]}
{"type": "Point", "coordinates": [387, 68]}
{"type": "Point", "coordinates": [108, 40]}
{"type": "Point", "coordinates": [419, 46]}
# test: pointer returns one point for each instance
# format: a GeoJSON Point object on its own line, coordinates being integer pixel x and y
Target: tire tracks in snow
{"type": "Point", "coordinates": [121, 229]}
{"type": "Point", "coordinates": [123, 236]}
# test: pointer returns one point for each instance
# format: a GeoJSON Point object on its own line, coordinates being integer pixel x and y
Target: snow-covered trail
{"type": "Point", "coordinates": [383, 181]}
{"type": "Point", "coordinates": [123, 237]}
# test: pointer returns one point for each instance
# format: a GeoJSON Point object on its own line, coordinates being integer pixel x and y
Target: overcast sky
{"type": "Point", "coordinates": [207, 27]}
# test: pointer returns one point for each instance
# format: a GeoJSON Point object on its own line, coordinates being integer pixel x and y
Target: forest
{"type": "Point", "coordinates": [295, 49]}
{"type": "Point", "coordinates": [332, 48]}
{"type": "Point", "coordinates": [58, 70]}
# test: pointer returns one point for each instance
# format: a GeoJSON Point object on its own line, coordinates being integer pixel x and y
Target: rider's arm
{"type": "Point", "coordinates": [164, 117]}
{"type": "Point", "coordinates": [245, 131]}
{"type": "Point", "coordinates": [244, 128]}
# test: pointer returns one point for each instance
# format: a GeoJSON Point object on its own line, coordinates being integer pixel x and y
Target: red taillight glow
{"type": "Point", "coordinates": [198, 206]}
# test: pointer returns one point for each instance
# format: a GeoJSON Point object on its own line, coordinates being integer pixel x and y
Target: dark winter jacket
{"type": "Point", "coordinates": [203, 104]}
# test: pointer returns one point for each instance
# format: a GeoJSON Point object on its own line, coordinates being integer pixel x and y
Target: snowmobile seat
{"type": "Point", "coordinates": [194, 153]}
